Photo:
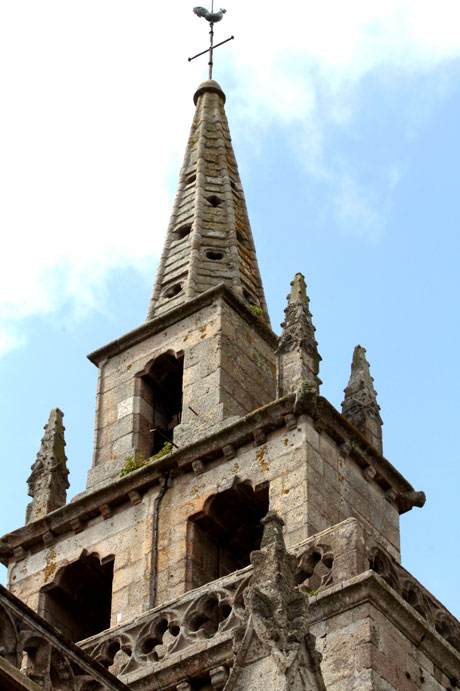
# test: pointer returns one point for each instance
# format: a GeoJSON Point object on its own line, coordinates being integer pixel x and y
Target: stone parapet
{"type": "Point", "coordinates": [342, 572]}
{"type": "Point", "coordinates": [178, 640]}
{"type": "Point", "coordinates": [347, 550]}
{"type": "Point", "coordinates": [44, 657]}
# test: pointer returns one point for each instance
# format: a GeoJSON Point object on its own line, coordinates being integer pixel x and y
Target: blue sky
{"type": "Point", "coordinates": [345, 126]}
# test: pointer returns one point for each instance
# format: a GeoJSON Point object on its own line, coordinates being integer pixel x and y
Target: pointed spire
{"type": "Point", "coordinates": [209, 239]}
{"type": "Point", "coordinates": [48, 481]}
{"type": "Point", "coordinates": [298, 357]}
{"type": "Point", "coordinates": [360, 405]}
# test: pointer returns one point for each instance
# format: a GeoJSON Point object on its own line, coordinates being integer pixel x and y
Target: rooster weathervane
{"type": "Point", "coordinates": [212, 17]}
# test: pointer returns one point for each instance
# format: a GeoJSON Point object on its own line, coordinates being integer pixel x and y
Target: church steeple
{"type": "Point", "coordinates": [209, 239]}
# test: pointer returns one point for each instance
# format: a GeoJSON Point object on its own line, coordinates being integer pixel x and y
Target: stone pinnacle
{"type": "Point", "coordinates": [297, 348]}
{"type": "Point", "coordinates": [48, 480]}
{"type": "Point", "coordinates": [360, 405]}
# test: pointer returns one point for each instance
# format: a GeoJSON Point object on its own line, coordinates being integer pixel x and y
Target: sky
{"type": "Point", "coordinates": [344, 119]}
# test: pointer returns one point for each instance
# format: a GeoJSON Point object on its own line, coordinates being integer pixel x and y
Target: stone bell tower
{"type": "Point", "coordinates": [179, 374]}
{"type": "Point", "coordinates": [237, 531]}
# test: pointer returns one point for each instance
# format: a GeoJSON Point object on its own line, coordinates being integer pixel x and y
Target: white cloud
{"type": "Point", "coordinates": [97, 107]}
{"type": "Point", "coordinates": [357, 209]}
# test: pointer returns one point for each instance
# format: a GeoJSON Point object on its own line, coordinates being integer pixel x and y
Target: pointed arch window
{"type": "Point", "coordinates": [161, 389]}
{"type": "Point", "coordinates": [78, 602]}
{"type": "Point", "coordinates": [221, 537]}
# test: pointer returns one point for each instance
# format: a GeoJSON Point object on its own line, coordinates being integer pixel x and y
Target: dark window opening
{"type": "Point", "coordinates": [214, 201]}
{"type": "Point", "coordinates": [250, 298]}
{"type": "Point", "coordinates": [162, 392]}
{"type": "Point", "coordinates": [183, 231]}
{"type": "Point", "coordinates": [173, 290]}
{"type": "Point", "coordinates": [79, 601]}
{"type": "Point", "coordinates": [215, 256]}
{"type": "Point", "coordinates": [191, 178]}
{"type": "Point", "coordinates": [221, 537]}
{"type": "Point", "coordinates": [234, 186]}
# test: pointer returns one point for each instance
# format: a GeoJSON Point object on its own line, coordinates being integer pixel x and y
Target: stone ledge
{"type": "Point", "coordinates": [179, 313]}
{"type": "Point", "coordinates": [266, 419]}
{"type": "Point", "coordinates": [372, 588]}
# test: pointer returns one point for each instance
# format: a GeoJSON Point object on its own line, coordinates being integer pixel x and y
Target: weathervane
{"type": "Point", "coordinates": [212, 17]}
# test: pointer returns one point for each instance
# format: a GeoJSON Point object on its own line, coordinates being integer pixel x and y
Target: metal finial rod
{"type": "Point", "coordinates": [208, 49]}
{"type": "Point", "coordinates": [211, 48]}
{"type": "Point", "coordinates": [211, 17]}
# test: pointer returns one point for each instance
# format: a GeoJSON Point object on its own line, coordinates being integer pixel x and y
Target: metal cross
{"type": "Point", "coordinates": [212, 17]}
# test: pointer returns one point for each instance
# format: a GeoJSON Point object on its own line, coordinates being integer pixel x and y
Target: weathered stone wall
{"type": "Point", "coordinates": [338, 488]}
{"type": "Point", "coordinates": [311, 485]}
{"type": "Point", "coordinates": [311, 482]}
{"type": "Point", "coordinates": [369, 633]}
{"type": "Point", "coordinates": [126, 534]}
{"type": "Point", "coordinates": [363, 649]}
{"type": "Point", "coordinates": [217, 343]}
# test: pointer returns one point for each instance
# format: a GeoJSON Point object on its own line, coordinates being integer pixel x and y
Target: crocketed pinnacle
{"type": "Point", "coordinates": [360, 405]}
{"type": "Point", "coordinates": [48, 480]}
{"type": "Point", "coordinates": [297, 349]}
{"type": "Point", "coordinates": [209, 239]}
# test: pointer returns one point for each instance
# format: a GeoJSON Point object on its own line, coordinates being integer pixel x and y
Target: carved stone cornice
{"type": "Point", "coordinates": [266, 419]}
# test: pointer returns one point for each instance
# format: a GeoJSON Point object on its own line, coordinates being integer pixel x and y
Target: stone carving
{"type": "Point", "coordinates": [314, 569]}
{"type": "Point", "coordinates": [48, 480]}
{"type": "Point", "coordinates": [202, 615]}
{"type": "Point", "coordinates": [360, 405]}
{"type": "Point", "coordinates": [275, 644]}
{"type": "Point", "coordinates": [305, 397]}
{"type": "Point", "coordinates": [263, 609]}
{"type": "Point", "coordinates": [381, 563]}
{"type": "Point", "coordinates": [29, 644]}
{"type": "Point", "coordinates": [114, 653]}
{"type": "Point", "coordinates": [416, 596]}
{"type": "Point", "coordinates": [298, 357]}
{"type": "Point", "coordinates": [218, 677]}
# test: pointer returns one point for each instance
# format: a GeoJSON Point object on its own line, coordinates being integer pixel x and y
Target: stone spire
{"type": "Point", "coordinates": [360, 405]}
{"type": "Point", "coordinates": [209, 239]}
{"type": "Point", "coordinates": [48, 481]}
{"type": "Point", "coordinates": [298, 357]}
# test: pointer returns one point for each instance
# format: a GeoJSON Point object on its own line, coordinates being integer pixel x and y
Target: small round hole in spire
{"type": "Point", "coordinates": [250, 298]}
{"type": "Point", "coordinates": [241, 239]}
{"type": "Point", "coordinates": [215, 256]}
{"type": "Point", "coordinates": [172, 291]}
{"type": "Point", "coordinates": [191, 178]}
{"type": "Point", "coordinates": [214, 201]}
{"type": "Point", "coordinates": [183, 231]}
{"type": "Point", "coordinates": [233, 185]}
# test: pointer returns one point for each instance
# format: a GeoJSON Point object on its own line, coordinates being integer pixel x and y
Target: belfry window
{"type": "Point", "coordinates": [221, 537]}
{"type": "Point", "coordinates": [78, 601]}
{"type": "Point", "coordinates": [162, 392]}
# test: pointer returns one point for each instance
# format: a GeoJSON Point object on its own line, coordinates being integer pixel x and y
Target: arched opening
{"type": "Point", "coordinates": [221, 537]}
{"type": "Point", "coordinates": [79, 600]}
{"type": "Point", "coordinates": [162, 391]}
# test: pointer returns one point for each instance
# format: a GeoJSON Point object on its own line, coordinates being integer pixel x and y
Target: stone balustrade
{"type": "Point", "coordinates": [204, 621]}
{"type": "Point", "coordinates": [44, 657]}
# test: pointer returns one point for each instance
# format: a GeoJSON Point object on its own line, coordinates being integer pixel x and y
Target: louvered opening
{"type": "Point", "coordinates": [214, 200]}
